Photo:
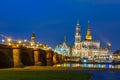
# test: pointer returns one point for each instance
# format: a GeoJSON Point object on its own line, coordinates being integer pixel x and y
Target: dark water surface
{"type": "Point", "coordinates": [97, 74]}
{"type": "Point", "coordinates": [103, 75]}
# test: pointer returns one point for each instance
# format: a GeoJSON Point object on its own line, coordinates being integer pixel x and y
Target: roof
{"type": "Point", "coordinates": [117, 52]}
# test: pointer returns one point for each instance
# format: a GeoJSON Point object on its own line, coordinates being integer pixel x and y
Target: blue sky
{"type": "Point", "coordinates": [51, 20]}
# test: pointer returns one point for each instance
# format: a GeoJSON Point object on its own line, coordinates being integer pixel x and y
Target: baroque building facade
{"type": "Point", "coordinates": [87, 48]}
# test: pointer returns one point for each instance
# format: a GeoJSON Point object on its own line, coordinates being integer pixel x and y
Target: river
{"type": "Point", "coordinates": [97, 74]}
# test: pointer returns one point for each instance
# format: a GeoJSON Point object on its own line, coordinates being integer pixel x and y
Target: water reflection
{"type": "Point", "coordinates": [88, 65]}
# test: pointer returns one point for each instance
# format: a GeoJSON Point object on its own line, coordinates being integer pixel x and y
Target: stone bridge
{"type": "Point", "coordinates": [18, 57]}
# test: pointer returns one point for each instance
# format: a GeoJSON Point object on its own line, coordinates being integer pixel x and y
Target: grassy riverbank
{"type": "Point", "coordinates": [19, 74]}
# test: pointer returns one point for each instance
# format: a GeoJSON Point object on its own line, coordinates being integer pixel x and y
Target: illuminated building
{"type": "Point", "coordinates": [63, 48]}
{"type": "Point", "coordinates": [116, 55]}
{"type": "Point", "coordinates": [87, 48]}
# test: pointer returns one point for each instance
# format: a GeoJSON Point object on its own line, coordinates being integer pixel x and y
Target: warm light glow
{"type": "Point", "coordinates": [109, 44]}
{"type": "Point", "coordinates": [37, 45]}
{"type": "Point", "coordinates": [25, 40]}
{"type": "Point", "coordinates": [9, 44]}
{"type": "Point", "coordinates": [110, 56]}
{"type": "Point", "coordinates": [85, 60]}
{"type": "Point", "coordinates": [3, 40]}
{"type": "Point", "coordinates": [9, 39]}
{"type": "Point", "coordinates": [31, 44]}
{"type": "Point", "coordinates": [49, 47]}
{"type": "Point", "coordinates": [19, 41]}
{"type": "Point", "coordinates": [44, 46]}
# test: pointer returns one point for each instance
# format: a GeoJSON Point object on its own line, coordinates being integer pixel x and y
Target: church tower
{"type": "Point", "coordinates": [88, 35]}
{"type": "Point", "coordinates": [33, 37]}
{"type": "Point", "coordinates": [77, 35]}
{"type": "Point", "coordinates": [76, 50]}
{"type": "Point", "coordinates": [33, 40]}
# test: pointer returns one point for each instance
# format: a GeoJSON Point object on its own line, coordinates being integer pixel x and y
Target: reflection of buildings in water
{"type": "Point", "coordinates": [107, 66]}
{"type": "Point", "coordinates": [88, 65]}
{"type": "Point", "coordinates": [63, 65]}
{"type": "Point", "coordinates": [110, 66]}
{"type": "Point", "coordinates": [66, 65]}
{"type": "Point", "coordinates": [75, 65]}
{"type": "Point", "coordinates": [84, 65]}
{"type": "Point", "coordinates": [58, 65]}
{"type": "Point", "coordinates": [99, 65]}
{"type": "Point", "coordinates": [116, 66]}
{"type": "Point", "coordinates": [102, 65]}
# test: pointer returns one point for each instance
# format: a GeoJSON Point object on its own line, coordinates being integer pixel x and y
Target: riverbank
{"type": "Point", "coordinates": [68, 68]}
{"type": "Point", "coordinates": [42, 73]}
{"type": "Point", "coordinates": [58, 73]}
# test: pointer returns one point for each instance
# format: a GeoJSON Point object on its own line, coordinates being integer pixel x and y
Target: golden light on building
{"type": "Point", "coordinates": [9, 44]}
{"type": "Point", "coordinates": [88, 35]}
{"type": "Point", "coordinates": [31, 44]}
{"type": "Point", "coordinates": [37, 45]}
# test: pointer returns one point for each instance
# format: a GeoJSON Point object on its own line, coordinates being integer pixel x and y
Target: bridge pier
{"type": "Point", "coordinates": [49, 58]}
{"type": "Point", "coordinates": [16, 57]}
{"type": "Point", "coordinates": [36, 57]}
{"type": "Point", "coordinates": [63, 58]}
{"type": "Point", "coordinates": [55, 58]}
{"type": "Point", "coordinates": [59, 58]}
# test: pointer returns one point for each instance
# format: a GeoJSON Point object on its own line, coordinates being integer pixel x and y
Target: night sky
{"type": "Point", "coordinates": [51, 20]}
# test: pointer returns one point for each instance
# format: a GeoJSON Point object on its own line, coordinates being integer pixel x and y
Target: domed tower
{"type": "Point", "coordinates": [33, 40]}
{"type": "Point", "coordinates": [88, 35]}
{"type": "Point", "coordinates": [33, 37]}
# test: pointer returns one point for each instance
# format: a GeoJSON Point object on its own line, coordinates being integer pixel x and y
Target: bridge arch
{"type": "Point", "coordinates": [26, 58]}
{"type": "Point", "coordinates": [5, 60]}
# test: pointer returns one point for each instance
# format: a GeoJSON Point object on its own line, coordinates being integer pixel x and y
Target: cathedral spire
{"type": "Point", "coordinates": [88, 35]}
{"type": "Point", "coordinates": [64, 38]}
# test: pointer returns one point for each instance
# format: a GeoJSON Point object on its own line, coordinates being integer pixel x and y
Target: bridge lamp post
{"type": "Point", "coordinates": [37, 45]}
{"type": "Point", "coordinates": [25, 40]}
{"type": "Point", "coordinates": [3, 40]}
{"type": "Point", "coordinates": [9, 41]}
{"type": "Point", "coordinates": [44, 47]}
{"type": "Point", "coordinates": [19, 42]}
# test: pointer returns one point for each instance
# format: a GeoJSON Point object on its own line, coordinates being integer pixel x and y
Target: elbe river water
{"type": "Point", "coordinates": [97, 74]}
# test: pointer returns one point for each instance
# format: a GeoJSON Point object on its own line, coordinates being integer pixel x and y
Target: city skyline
{"type": "Point", "coordinates": [19, 19]}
